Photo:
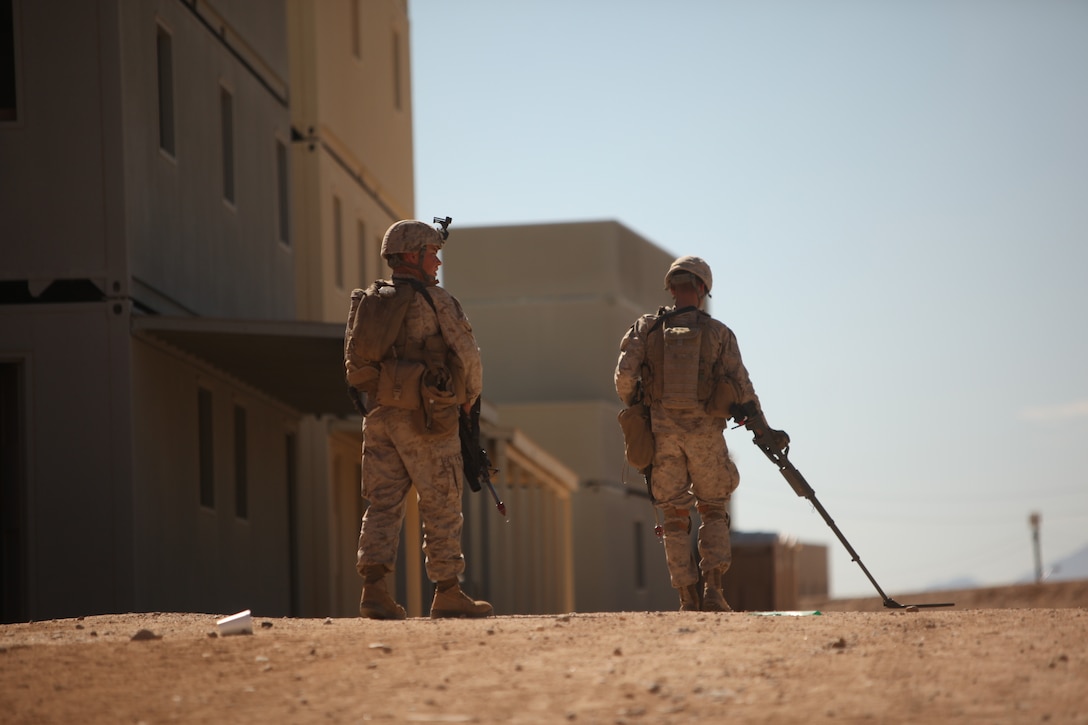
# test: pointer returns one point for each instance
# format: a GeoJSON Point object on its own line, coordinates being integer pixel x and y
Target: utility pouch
{"type": "Point", "coordinates": [365, 378]}
{"type": "Point", "coordinates": [399, 383]}
{"type": "Point", "coordinates": [638, 436]}
{"type": "Point", "coordinates": [725, 395]}
{"type": "Point", "coordinates": [439, 412]}
{"type": "Point", "coordinates": [680, 368]}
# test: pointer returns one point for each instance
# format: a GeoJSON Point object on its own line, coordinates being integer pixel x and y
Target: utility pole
{"type": "Point", "coordinates": [1035, 519]}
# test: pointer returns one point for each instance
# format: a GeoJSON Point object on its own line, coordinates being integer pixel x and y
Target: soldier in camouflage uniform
{"type": "Point", "coordinates": [687, 368]}
{"type": "Point", "coordinates": [410, 438]}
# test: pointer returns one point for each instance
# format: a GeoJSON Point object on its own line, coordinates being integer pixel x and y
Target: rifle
{"type": "Point", "coordinates": [764, 440]}
{"type": "Point", "coordinates": [474, 459]}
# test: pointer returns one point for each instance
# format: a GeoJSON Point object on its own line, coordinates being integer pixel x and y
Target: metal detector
{"type": "Point", "coordinates": [801, 488]}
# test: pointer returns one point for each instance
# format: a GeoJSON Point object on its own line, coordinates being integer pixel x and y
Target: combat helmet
{"type": "Point", "coordinates": [692, 265]}
{"type": "Point", "coordinates": [409, 235]}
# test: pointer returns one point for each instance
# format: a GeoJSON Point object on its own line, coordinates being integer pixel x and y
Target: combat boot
{"type": "Point", "coordinates": [713, 599]}
{"type": "Point", "coordinates": [376, 602]}
{"type": "Point", "coordinates": [689, 598]}
{"type": "Point", "coordinates": [450, 601]}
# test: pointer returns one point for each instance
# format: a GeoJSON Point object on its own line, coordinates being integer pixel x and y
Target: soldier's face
{"type": "Point", "coordinates": [431, 262]}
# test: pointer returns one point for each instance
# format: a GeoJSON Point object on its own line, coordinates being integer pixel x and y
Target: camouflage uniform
{"type": "Point", "coordinates": [396, 454]}
{"type": "Point", "coordinates": [691, 463]}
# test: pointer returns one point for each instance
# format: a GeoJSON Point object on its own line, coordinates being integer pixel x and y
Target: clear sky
{"type": "Point", "coordinates": [893, 197]}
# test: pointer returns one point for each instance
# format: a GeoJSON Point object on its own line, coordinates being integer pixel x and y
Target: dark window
{"type": "Point", "coordinates": [292, 523]}
{"type": "Point", "coordinates": [397, 90]}
{"type": "Point", "coordinates": [165, 48]}
{"type": "Point", "coordinates": [356, 42]}
{"type": "Point", "coordinates": [207, 448]}
{"type": "Point", "coordinates": [226, 119]}
{"type": "Point", "coordinates": [338, 242]}
{"type": "Point", "coordinates": [241, 485]}
{"type": "Point", "coordinates": [8, 88]}
{"type": "Point", "coordinates": [282, 192]}
{"type": "Point", "coordinates": [360, 236]}
{"type": "Point", "coordinates": [14, 531]}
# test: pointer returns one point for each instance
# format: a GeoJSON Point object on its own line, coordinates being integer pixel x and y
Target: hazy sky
{"type": "Point", "coordinates": [893, 197]}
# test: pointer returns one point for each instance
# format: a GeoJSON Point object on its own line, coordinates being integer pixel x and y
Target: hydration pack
{"type": "Point", "coordinates": [375, 320]}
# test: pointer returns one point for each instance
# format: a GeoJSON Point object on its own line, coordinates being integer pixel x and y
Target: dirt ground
{"type": "Point", "coordinates": [1010, 655]}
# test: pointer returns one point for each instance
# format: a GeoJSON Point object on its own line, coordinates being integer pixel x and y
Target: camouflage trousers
{"type": "Point", "coordinates": [694, 468]}
{"type": "Point", "coordinates": [395, 457]}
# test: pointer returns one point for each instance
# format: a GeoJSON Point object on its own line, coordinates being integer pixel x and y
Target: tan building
{"type": "Point", "coordinates": [550, 304]}
{"type": "Point", "coordinates": [188, 192]}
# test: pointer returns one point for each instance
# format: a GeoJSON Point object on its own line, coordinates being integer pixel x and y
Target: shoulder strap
{"type": "Point", "coordinates": [662, 315]}
{"type": "Point", "coordinates": [418, 287]}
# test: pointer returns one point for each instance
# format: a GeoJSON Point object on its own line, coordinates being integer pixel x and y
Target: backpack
{"type": "Point", "coordinates": [374, 322]}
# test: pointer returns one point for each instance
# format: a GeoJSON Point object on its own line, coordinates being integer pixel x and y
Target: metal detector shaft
{"type": "Point", "coordinates": [801, 488]}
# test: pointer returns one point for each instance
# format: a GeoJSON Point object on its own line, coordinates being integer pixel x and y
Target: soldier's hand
{"type": "Point", "coordinates": [779, 440]}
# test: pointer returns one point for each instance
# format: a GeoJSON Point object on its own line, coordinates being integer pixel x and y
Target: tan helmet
{"type": "Point", "coordinates": [409, 235]}
{"type": "Point", "coordinates": [693, 265]}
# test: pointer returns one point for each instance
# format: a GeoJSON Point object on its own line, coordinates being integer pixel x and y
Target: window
{"type": "Point", "coordinates": [356, 41]}
{"type": "Point", "coordinates": [165, 52]}
{"type": "Point", "coordinates": [360, 237]}
{"type": "Point", "coordinates": [291, 456]}
{"type": "Point", "coordinates": [14, 529]}
{"type": "Point", "coordinates": [397, 90]}
{"type": "Point", "coordinates": [226, 120]}
{"type": "Point", "coordinates": [241, 485]}
{"type": "Point", "coordinates": [207, 448]}
{"type": "Point", "coordinates": [337, 243]}
{"type": "Point", "coordinates": [282, 196]}
{"type": "Point", "coordinates": [9, 96]}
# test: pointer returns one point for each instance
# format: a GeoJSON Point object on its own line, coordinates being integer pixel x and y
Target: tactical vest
{"type": "Point", "coordinates": [678, 367]}
{"type": "Point", "coordinates": [376, 339]}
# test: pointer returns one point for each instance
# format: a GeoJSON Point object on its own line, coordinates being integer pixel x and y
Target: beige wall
{"type": "Point", "coordinates": [553, 333]}
{"type": "Point", "coordinates": [77, 485]}
{"type": "Point", "coordinates": [357, 147]}
{"type": "Point", "coordinates": [190, 556]}
{"type": "Point", "coordinates": [188, 247]}
{"type": "Point", "coordinates": [549, 340]}
{"type": "Point", "coordinates": [60, 178]}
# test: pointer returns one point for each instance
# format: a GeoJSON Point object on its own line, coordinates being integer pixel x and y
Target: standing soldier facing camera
{"type": "Point", "coordinates": [413, 366]}
{"type": "Point", "coordinates": [685, 367]}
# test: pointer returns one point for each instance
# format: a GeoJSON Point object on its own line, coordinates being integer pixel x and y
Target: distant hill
{"type": "Point", "coordinates": [1072, 568]}
{"type": "Point", "coordinates": [960, 582]}
{"type": "Point", "coordinates": [1048, 595]}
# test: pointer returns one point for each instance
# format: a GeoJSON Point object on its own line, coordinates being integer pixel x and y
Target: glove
{"type": "Point", "coordinates": [778, 440]}
{"type": "Point", "coordinates": [767, 436]}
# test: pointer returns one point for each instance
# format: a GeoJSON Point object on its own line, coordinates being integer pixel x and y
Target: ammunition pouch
{"type": "Point", "coordinates": [399, 384]}
{"type": "Point", "coordinates": [439, 411]}
{"type": "Point", "coordinates": [638, 435]}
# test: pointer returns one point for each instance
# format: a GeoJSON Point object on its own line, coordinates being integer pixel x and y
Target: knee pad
{"type": "Point", "coordinates": [677, 521]}
{"type": "Point", "coordinates": [713, 512]}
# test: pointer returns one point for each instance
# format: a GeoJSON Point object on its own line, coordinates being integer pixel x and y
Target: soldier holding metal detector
{"type": "Point", "coordinates": [681, 376]}
{"type": "Point", "coordinates": [680, 372]}
{"type": "Point", "coordinates": [414, 370]}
